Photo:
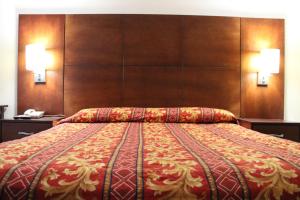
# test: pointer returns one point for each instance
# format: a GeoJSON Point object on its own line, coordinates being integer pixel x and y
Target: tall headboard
{"type": "Point", "coordinates": [144, 60]}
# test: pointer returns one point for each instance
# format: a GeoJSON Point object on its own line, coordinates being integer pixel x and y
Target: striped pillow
{"type": "Point", "coordinates": [161, 115]}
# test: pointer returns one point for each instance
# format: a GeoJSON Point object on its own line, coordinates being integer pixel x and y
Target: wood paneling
{"type": "Point", "coordinates": [212, 88]}
{"type": "Point", "coordinates": [152, 86]}
{"type": "Point", "coordinates": [92, 86]}
{"type": "Point", "coordinates": [93, 40]}
{"type": "Point", "coordinates": [261, 102]}
{"type": "Point", "coordinates": [152, 40]}
{"type": "Point", "coordinates": [167, 61]}
{"type": "Point", "coordinates": [211, 41]}
{"type": "Point", "coordinates": [152, 60]}
{"type": "Point", "coordinates": [47, 29]}
{"type": "Point", "coordinates": [211, 62]}
{"type": "Point", "coordinates": [93, 62]}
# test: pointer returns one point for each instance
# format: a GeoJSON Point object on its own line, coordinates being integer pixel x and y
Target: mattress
{"type": "Point", "coordinates": [137, 153]}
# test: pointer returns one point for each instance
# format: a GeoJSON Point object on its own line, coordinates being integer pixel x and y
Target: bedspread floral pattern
{"type": "Point", "coordinates": [171, 170]}
{"type": "Point", "coordinates": [138, 160]}
{"type": "Point", "coordinates": [130, 114]}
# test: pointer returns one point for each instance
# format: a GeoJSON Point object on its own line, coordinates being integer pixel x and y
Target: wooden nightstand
{"type": "Point", "coordinates": [278, 128]}
{"type": "Point", "coordinates": [17, 128]}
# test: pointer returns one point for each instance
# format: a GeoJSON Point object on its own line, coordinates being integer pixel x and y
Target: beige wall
{"type": "Point", "coordinates": [9, 9]}
{"type": "Point", "coordinates": [8, 56]}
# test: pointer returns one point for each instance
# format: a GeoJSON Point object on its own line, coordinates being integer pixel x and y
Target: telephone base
{"type": "Point", "coordinates": [22, 117]}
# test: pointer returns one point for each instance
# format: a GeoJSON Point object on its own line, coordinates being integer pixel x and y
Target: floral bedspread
{"type": "Point", "coordinates": [149, 160]}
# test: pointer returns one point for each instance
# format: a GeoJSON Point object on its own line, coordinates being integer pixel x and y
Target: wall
{"type": "Point", "coordinates": [254, 8]}
{"type": "Point", "coordinates": [8, 57]}
{"type": "Point", "coordinates": [292, 80]}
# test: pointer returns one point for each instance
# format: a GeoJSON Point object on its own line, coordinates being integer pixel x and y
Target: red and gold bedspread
{"type": "Point", "coordinates": [148, 160]}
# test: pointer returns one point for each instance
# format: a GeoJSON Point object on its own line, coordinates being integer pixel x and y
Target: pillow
{"type": "Point", "coordinates": [120, 114]}
{"type": "Point", "coordinates": [161, 115]}
{"type": "Point", "coordinates": [188, 115]}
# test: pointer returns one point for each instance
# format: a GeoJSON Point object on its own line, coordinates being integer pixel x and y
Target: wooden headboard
{"type": "Point", "coordinates": [144, 60]}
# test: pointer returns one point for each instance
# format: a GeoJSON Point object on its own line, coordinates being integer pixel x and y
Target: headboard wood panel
{"type": "Point", "coordinates": [156, 60]}
{"type": "Point", "coordinates": [211, 62]}
{"type": "Point", "coordinates": [211, 42]}
{"type": "Point", "coordinates": [166, 61]}
{"type": "Point", "coordinates": [49, 30]}
{"type": "Point", "coordinates": [151, 40]}
{"type": "Point", "coordinates": [152, 86]}
{"type": "Point", "coordinates": [93, 40]}
{"type": "Point", "coordinates": [93, 62]}
{"type": "Point", "coordinates": [262, 102]}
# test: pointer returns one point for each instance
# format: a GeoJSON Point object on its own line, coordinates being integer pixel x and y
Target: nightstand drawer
{"type": "Point", "coordinates": [286, 131]}
{"type": "Point", "coordinates": [13, 130]}
{"type": "Point", "coordinates": [276, 127]}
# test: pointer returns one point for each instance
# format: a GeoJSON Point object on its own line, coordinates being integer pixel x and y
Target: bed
{"type": "Point", "coordinates": [150, 153]}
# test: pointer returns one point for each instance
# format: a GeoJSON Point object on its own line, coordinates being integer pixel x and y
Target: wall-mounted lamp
{"type": "Point", "coordinates": [269, 64]}
{"type": "Point", "coordinates": [36, 61]}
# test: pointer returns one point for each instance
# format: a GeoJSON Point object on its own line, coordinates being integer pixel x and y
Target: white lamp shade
{"type": "Point", "coordinates": [270, 61]}
{"type": "Point", "coordinates": [35, 57]}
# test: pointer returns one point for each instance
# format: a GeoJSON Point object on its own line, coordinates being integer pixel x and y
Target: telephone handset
{"type": "Point", "coordinates": [34, 114]}
{"type": "Point", "coordinates": [30, 113]}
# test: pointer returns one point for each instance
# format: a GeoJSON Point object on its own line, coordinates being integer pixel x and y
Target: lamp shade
{"type": "Point", "coordinates": [35, 57]}
{"type": "Point", "coordinates": [270, 60]}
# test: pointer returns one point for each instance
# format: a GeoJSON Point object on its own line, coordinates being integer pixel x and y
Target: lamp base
{"type": "Point", "coordinates": [40, 76]}
{"type": "Point", "coordinates": [262, 79]}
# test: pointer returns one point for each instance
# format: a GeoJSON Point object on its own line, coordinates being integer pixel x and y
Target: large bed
{"type": "Point", "coordinates": [150, 153]}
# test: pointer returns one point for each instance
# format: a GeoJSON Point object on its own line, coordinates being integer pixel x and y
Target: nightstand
{"type": "Point", "coordinates": [276, 127]}
{"type": "Point", "coordinates": [12, 129]}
